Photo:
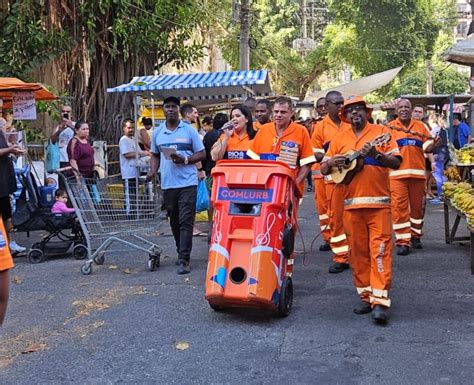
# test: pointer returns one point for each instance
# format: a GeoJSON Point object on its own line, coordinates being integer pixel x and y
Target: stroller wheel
{"type": "Point", "coordinates": [153, 262]}
{"type": "Point", "coordinates": [79, 251]}
{"type": "Point", "coordinates": [286, 297]}
{"type": "Point", "coordinates": [35, 256]}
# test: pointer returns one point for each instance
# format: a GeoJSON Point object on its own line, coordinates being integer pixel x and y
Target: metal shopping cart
{"type": "Point", "coordinates": [111, 210]}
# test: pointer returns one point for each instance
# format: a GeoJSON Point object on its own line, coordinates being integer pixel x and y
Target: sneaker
{"type": "Point", "coordinates": [16, 248]}
{"type": "Point", "coordinates": [338, 267]}
{"type": "Point", "coordinates": [403, 250]}
{"type": "Point", "coordinates": [416, 243]}
{"type": "Point", "coordinates": [184, 268]}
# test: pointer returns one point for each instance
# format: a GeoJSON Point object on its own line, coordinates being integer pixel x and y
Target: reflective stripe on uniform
{"type": "Point", "coordinates": [398, 226]}
{"type": "Point", "coordinates": [380, 293]}
{"type": "Point", "coordinates": [315, 172]}
{"type": "Point", "coordinates": [319, 150]}
{"type": "Point", "coordinates": [408, 171]}
{"type": "Point", "coordinates": [366, 289]}
{"type": "Point", "coordinates": [418, 231]}
{"type": "Point", "coordinates": [427, 143]}
{"type": "Point", "coordinates": [380, 301]}
{"type": "Point", "coordinates": [366, 201]}
{"type": "Point", "coordinates": [403, 236]}
{"type": "Point", "coordinates": [339, 238]}
{"type": "Point", "coordinates": [322, 217]}
{"type": "Point", "coordinates": [253, 155]}
{"type": "Point", "coordinates": [307, 160]}
{"type": "Point", "coordinates": [416, 221]}
{"type": "Point", "coordinates": [339, 250]}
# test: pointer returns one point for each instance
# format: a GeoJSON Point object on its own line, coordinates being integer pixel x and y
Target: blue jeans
{"type": "Point", "coordinates": [438, 175]}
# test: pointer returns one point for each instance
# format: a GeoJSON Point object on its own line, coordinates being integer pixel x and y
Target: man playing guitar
{"type": "Point", "coordinates": [367, 221]}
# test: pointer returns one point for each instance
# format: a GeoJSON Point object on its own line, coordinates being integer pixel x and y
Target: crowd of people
{"type": "Point", "coordinates": [382, 192]}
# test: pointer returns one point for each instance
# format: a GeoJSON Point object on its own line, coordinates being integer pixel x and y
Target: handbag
{"type": "Point", "coordinates": [202, 198]}
{"type": "Point", "coordinates": [52, 157]}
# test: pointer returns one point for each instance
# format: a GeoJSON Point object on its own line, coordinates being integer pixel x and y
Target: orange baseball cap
{"type": "Point", "coordinates": [354, 99]}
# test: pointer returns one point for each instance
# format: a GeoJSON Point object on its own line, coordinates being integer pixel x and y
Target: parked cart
{"type": "Point", "coordinates": [113, 211]}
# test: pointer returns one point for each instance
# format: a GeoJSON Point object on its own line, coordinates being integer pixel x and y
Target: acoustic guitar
{"type": "Point", "coordinates": [338, 174]}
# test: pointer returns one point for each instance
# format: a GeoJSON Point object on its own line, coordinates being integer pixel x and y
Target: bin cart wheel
{"type": "Point", "coordinates": [99, 259]}
{"type": "Point", "coordinates": [216, 307]}
{"type": "Point", "coordinates": [86, 268]}
{"type": "Point", "coordinates": [35, 256]}
{"type": "Point", "coordinates": [153, 262]}
{"type": "Point", "coordinates": [286, 297]}
{"type": "Point", "coordinates": [79, 251]}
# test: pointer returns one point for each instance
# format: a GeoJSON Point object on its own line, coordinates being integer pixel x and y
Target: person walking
{"type": "Point", "coordinates": [176, 148]}
{"type": "Point", "coordinates": [366, 200]}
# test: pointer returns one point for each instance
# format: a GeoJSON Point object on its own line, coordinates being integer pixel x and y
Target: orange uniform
{"type": "Point", "coordinates": [325, 131]}
{"type": "Point", "coordinates": [367, 220]}
{"type": "Point", "coordinates": [407, 184]}
{"type": "Point", "coordinates": [6, 261]}
{"type": "Point", "coordinates": [236, 146]}
{"type": "Point", "coordinates": [293, 147]}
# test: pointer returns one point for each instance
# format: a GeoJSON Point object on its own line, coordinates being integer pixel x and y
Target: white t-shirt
{"type": "Point", "coordinates": [63, 140]}
{"type": "Point", "coordinates": [128, 167]}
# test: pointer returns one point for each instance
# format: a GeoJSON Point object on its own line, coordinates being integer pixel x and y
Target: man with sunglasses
{"type": "Point", "coordinates": [366, 198]}
{"type": "Point", "coordinates": [329, 201]}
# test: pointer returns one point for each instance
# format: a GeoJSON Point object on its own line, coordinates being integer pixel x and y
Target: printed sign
{"type": "Point", "coordinates": [24, 106]}
{"type": "Point", "coordinates": [244, 195]}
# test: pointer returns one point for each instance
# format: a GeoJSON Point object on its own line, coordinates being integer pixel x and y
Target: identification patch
{"type": "Point", "coordinates": [244, 195]}
{"type": "Point", "coordinates": [289, 153]}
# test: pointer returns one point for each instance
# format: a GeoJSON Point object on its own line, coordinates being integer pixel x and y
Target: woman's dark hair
{"type": "Point", "coordinates": [219, 120]}
{"type": "Point", "coordinates": [78, 124]}
{"type": "Point", "coordinates": [246, 112]}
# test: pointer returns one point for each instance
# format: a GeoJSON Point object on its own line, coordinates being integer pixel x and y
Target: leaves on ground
{"type": "Point", "coordinates": [113, 267]}
{"type": "Point", "coordinates": [128, 271]}
{"type": "Point", "coordinates": [182, 345]}
{"type": "Point", "coordinates": [16, 279]}
{"type": "Point", "coordinates": [36, 347]}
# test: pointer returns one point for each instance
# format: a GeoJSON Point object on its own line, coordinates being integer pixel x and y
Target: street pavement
{"type": "Point", "coordinates": [126, 325]}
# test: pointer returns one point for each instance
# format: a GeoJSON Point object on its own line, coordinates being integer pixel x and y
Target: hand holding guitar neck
{"type": "Point", "coordinates": [407, 131]}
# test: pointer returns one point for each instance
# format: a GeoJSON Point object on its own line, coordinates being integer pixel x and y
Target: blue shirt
{"type": "Point", "coordinates": [186, 141]}
{"type": "Point", "coordinates": [463, 133]}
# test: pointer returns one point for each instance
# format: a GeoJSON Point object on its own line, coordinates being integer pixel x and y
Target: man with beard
{"type": "Point", "coordinates": [366, 205]}
{"type": "Point", "coordinates": [263, 112]}
{"type": "Point", "coordinates": [176, 148]}
{"type": "Point", "coordinates": [408, 182]}
{"type": "Point", "coordinates": [324, 132]}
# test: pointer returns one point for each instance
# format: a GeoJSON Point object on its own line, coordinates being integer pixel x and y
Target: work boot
{"type": "Point", "coordinates": [183, 267]}
{"type": "Point", "coordinates": [403, 250]}
{"type": "Point", "coordinates": [325, 247]}
{"type": "Point", "coordinates": [363, 308]}
{"type": "Point", "coordinates": [338, 267]}
{"type": "Point", "coordinates": [416, 243]}
{"type": "Point", "coordinates": [380, 314]}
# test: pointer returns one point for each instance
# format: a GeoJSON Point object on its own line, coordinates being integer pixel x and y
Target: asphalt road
{"type": "Point", "coordinates": [124, 324]}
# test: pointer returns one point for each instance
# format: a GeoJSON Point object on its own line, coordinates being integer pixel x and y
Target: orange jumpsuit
{"type": "Point", "coordinates": [367, 220]}
{"type": "Point", "coordinates": [326, 131]}
{"type": "Point", "coordinates": [407, 184]}
{"type": "Point", "coordinates": [320, 199]}
{"type": "Point", "coordinates": [236, 146]}
{"type": "Point", "coordinates": [6, 261]}
{"type": "Point", "coordinates": [293, 147]}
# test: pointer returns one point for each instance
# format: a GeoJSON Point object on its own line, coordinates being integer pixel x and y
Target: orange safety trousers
{"type": "Point", "coordinates": [408, 208]}
{"type": "Point", "coordinates": [321, 203]}
{"type": "Point", "coordinates": [370, 238]}
{"type": "Point", "coordinates": [338, 241]}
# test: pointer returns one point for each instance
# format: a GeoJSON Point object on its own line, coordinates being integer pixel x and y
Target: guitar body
{"type": "Point", "coordinates": [338, 175]}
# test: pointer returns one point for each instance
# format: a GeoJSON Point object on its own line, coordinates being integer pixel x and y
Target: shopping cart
{"type": "Point", "coordinates": [111, 210]}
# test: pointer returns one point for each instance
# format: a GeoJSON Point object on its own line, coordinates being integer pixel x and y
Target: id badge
{"type": "Point", "coordinates": [289, 153]}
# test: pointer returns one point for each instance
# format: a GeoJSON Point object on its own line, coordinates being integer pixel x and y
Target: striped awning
{"type": "Point", "coordinates": [208, 86]}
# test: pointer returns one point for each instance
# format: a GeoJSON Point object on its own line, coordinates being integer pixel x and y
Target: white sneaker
{"type": "Point", "coordinates": [16, 248]}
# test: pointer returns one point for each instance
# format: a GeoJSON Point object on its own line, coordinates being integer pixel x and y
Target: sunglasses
{"type": "Point", "coordinates": [357, 107]}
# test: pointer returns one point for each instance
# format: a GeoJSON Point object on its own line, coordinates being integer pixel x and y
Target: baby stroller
{"type": "Point", "coordinates": [65, 235]}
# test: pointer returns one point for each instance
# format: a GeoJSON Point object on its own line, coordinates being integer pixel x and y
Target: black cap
{"type": "Point", "coordinates": [171, 99]}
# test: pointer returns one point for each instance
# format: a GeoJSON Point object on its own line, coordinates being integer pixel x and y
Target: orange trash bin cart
{"type": "Point", "coordinates": [253, 233]}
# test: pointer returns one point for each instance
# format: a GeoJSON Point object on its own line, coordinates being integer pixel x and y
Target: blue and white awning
{"type": "Point", "coordinates": [208, 86]}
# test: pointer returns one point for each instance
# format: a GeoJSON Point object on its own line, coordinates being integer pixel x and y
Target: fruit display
{"type": "Point", "coordinates": [465, 155]}
{"type": "Point", "coordinates": [461, 196]}
{"type": "Point", "coordinates": [452, 174]}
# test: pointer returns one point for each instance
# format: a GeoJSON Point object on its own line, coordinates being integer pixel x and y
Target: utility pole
{"type": "Point", "coordinates": [244, 49]}
{"type": "Point", "coordinates": [304, 19]}
{"type": "Point", "coordinates": [429, 77]}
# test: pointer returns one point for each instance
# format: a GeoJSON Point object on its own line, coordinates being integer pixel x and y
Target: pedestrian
{"type": "Point", "coordinates": [8, 186]}
{"type": "Point", "coordinates": [324, 132]}
{"type": "Point", "coordinates": [408, 182]}
{"type": "Point", "coordinates": [236, 136]}
{"type": "Point", "coordinates": [176, 148]}
{"type": "Point", "coordinates": [284, 140]}
{"type": "Point", "coordinates": [440, 154]}
{"type": "Point", "coordinates": [366, 198]}
{"type": "Point", "coordinates": [144, 134]}
{"type": "Point", "coordinates": [461, 132]}
{"type": "Point", "coordinates": [63, 133]}
{"type": "Point", "coordinates": [80, 152]}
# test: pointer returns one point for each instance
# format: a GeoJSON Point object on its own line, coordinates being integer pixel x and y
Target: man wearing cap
{"type": "Point", "coordinates": [175, 148]}
{"type": "Point", "coordinates": [331, 220]}
{"type": "Point", "coordinates": [366, 197]}
{"type": "Point", "coordinates": [284, 140]}
{"type": "Point", "coordinates": [408, 183]}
